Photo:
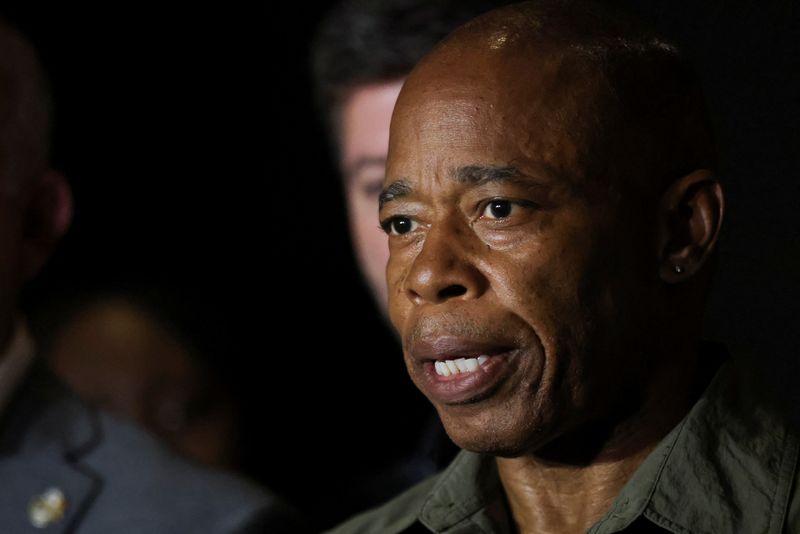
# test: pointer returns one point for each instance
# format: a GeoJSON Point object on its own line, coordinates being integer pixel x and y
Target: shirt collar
{"type": "Point", "coordinates": [729, 469]}
{"type": "Point", "coordinates": [15, 362]}
{"type": "Point", "coordinates": [728, 455]}
{"type": "Point", "coordinates": [466, 495]}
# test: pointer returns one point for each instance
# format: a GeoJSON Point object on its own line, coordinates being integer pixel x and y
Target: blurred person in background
{"type": "Point", "coordinates": [121, 354]}
{"type": "Point", "coordinates": [361, 55]}
{"type": "Point", "coordinates": [65, 465]}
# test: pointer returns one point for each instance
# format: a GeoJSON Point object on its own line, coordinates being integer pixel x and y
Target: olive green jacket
{"type": "Point", "coordinates": [728, 467]}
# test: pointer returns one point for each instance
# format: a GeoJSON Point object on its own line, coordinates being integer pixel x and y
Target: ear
{"type": "Point", "coordinates": [691, 213]}
{"type": "Point", "coordinates": [48, 215]}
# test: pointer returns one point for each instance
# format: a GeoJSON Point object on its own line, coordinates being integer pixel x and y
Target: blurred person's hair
{"type": "Point", "coordinates": [25, 108]}
{"type": "Point", "coordinates": [361, 42]}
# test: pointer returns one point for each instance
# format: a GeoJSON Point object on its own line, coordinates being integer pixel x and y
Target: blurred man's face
{"type": "Point", "coordinates": [514, 279]}
{"type": "Point", "coordinates": [364, 140]}
{"type": "Point", "coordinates": [119, 358]}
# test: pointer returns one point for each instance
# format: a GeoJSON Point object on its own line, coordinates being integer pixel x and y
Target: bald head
{"type": "Point", "coordinates": [625, 100]}
{"type": "Point", "coordinates": [551, 208]}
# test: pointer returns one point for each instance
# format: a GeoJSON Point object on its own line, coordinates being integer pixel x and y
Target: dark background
{"type": "Point", "coordinates": [201, 178]}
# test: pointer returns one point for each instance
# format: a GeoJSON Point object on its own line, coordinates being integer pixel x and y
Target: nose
{"type": "Point", "coordinates": [443, 270]}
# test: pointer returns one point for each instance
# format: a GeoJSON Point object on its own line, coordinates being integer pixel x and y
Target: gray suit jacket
{"type": "Point", "coordinates": [114, 478]}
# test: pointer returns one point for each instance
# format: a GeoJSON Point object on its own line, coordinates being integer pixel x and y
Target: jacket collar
{"type": "Point", "coordinates": [44, 437]}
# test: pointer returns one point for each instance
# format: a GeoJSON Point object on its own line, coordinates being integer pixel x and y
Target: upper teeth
{"type": "Point", "coordinates": [461, 365]}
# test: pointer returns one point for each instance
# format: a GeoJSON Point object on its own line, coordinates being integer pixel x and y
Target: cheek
{"type": "Point", "coordinates": [373, 264]}
{"type": "Point", "coordinates": [362, 212]}
{"type": "Point", "coordinates": [535, 284]}
{"type": "Point", "coordinates": [400, 305]}
{"type": "Point", "coordinates": [369, 240]}
{"type": "Point", "coordinates": [546, 286]}
{"type": "Point", "coordinates": [371, 245]}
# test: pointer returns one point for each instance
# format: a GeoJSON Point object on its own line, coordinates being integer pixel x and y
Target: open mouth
{"type": "Point", "coordinates": [446, 368]}
{"type": "Point", "coordinates": [455, 370]}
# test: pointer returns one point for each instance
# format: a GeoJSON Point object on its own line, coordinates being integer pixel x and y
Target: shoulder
{"type": "Point", "coordinates": [115, 476]}
{"type": "Point", "coordinates": [395, 516]}
{"type": "Point", "coordinates": [139, 474]}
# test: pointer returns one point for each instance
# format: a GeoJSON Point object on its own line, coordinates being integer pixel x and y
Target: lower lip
{"type": "Point", "coordinates": [463, 388]}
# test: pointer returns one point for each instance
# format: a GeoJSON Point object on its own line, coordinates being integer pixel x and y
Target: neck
{"type": "Point", "coordinates": [551, 498]}
{"type": "Point", "coordinates": [560, 489]}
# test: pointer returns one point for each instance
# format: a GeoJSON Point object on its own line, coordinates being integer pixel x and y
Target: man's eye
{"type": "Point", "coordinates": [398, 225]}
{"type": "Point", "coordinates": [498, 209]}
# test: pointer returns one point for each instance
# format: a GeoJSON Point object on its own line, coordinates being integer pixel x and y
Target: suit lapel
{"type": "Point", "coordinates": [44, 488]}
{"type": "Point", "coordinates": [31, 486]}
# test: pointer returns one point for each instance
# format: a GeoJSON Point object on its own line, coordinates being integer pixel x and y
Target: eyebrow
{"type": "Point", "coordinates": [393, 191]}
{"type": "Point", "coordinates": [364, 162]}
{"type": "Point", "coordinates": [470, 174]}
{"type": "Point", "coordinates": [483, 174]}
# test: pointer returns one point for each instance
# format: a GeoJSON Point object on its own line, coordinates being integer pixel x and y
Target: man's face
{"type": "Point", "coordinates": [118, 357]}
{"type": "Point", "coordinates": [508, 264]}
{"type": "Point", "coordinates": [364, 138]}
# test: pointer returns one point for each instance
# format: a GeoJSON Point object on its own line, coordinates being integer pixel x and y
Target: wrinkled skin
{"type": "Point", "coordinates": [521, 238]}
{"type": "Point", "coordinates": [564, 278]}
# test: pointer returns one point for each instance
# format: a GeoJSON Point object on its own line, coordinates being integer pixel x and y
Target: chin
{"type": "Point", "coordinates": [492, 435]}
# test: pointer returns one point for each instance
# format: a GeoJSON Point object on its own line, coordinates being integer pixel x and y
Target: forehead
{"type": "Point", "coordinates": [368, 108]}
{"type": "Point", "coordinates": [481, 108]}
{"type": "Point", "coordinates": [364, 126]}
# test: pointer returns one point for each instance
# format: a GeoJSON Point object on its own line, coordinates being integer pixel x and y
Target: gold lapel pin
{"type": "Point", "coordinates": [47, 508]}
